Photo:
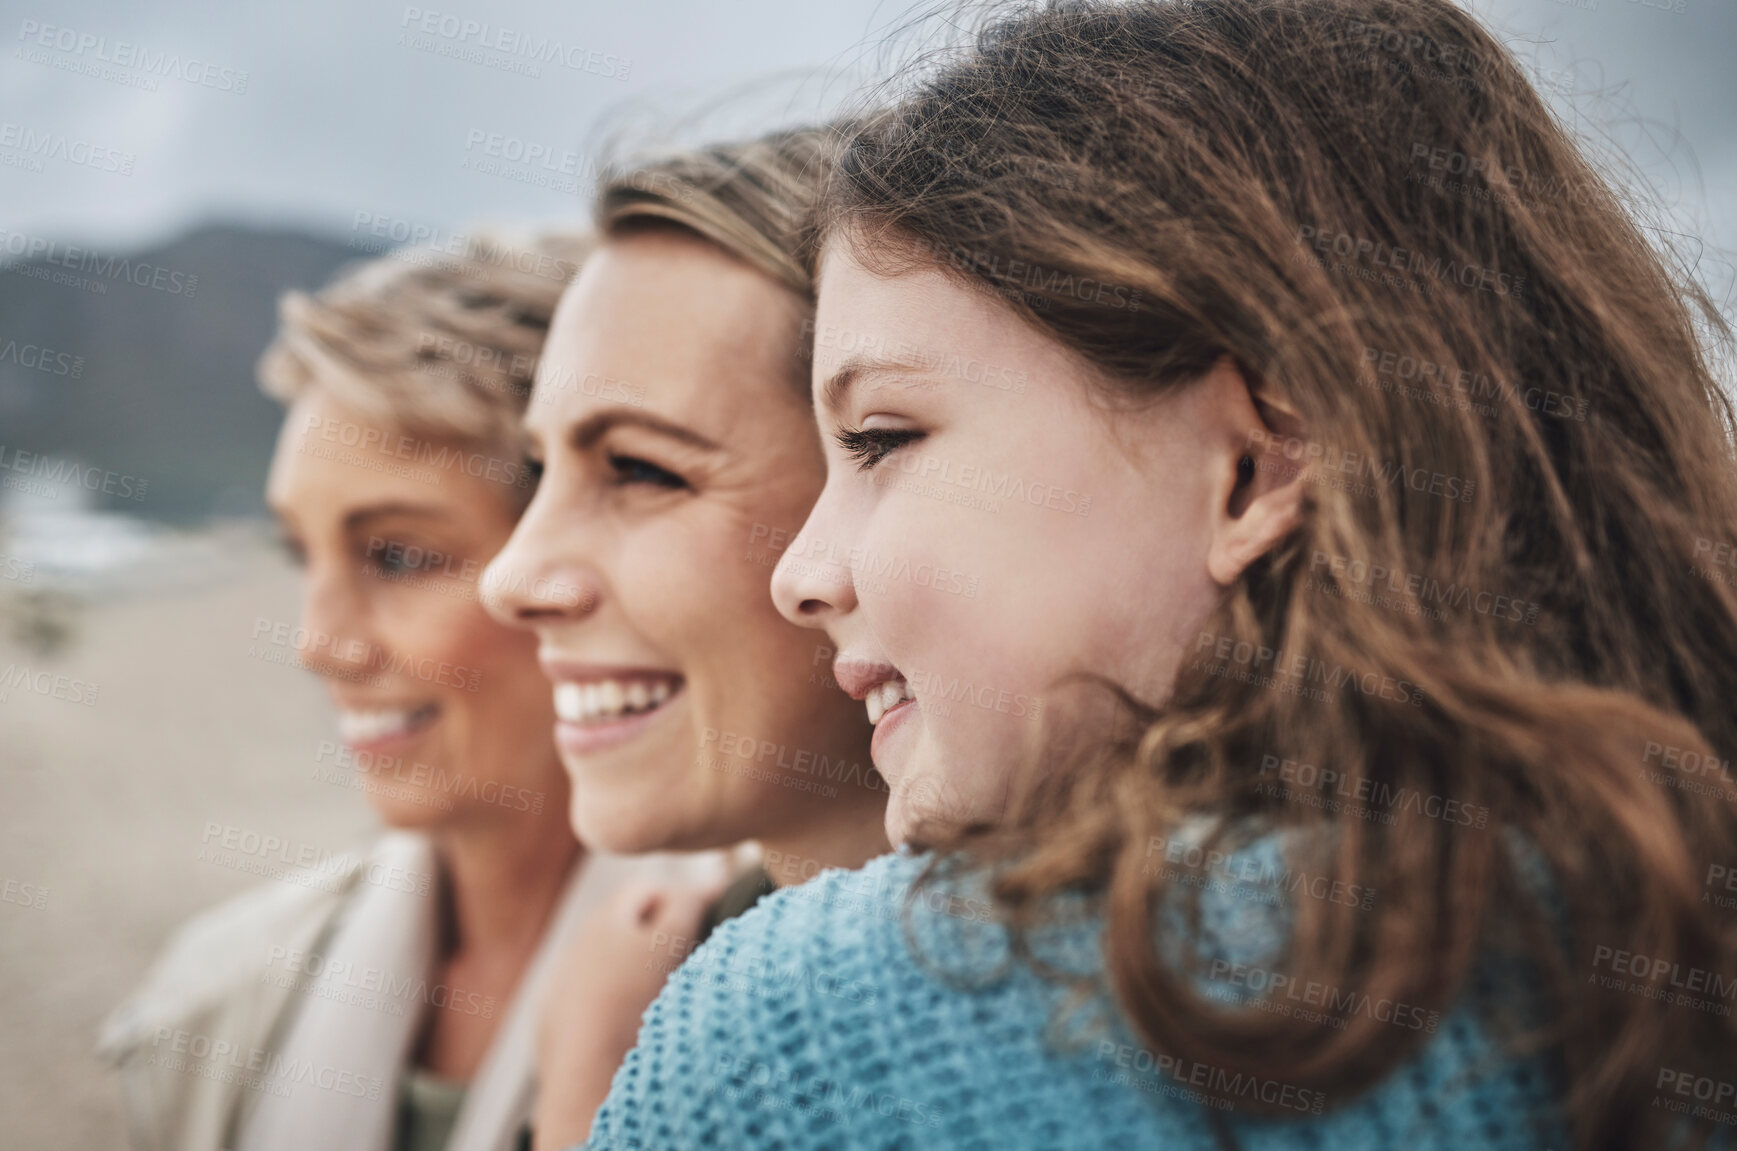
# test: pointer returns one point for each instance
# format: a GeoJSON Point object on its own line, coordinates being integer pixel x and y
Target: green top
{"type": "Point", "coordinates": [744, 891]}
{"type": "Point", "coordinates": [427, 1108]}
{"type": "Point", "coordinates": [428, 1105]}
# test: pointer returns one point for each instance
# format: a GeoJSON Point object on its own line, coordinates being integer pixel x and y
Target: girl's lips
{"type": "Point", "coordinates": [887, 738]}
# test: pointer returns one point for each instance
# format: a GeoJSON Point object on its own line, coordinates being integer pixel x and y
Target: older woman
{"type": "Point", "coordinates": [390, 1004]}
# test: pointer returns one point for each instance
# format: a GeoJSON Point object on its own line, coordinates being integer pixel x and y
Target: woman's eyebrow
{"type": "Point", "coordinates": [361, 516]}
{"type": "Point", "coordinates": [592, 428]}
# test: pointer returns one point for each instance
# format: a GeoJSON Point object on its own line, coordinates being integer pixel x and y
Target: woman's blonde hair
{"type": "Point", "coordinates": [440, 345]}
{"type": "Point", "coordinates": [754, 199]}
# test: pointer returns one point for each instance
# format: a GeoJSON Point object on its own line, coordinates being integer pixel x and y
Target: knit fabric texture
{"type": "Point", "coordinates": [811, 1023]}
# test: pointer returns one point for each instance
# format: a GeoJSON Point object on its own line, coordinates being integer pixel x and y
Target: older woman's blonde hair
{"type": "Point", "coordinates": [440, 345]}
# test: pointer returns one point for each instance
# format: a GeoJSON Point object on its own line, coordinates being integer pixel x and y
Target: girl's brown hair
{"type": "Point", "coordinates": [1504, 620]}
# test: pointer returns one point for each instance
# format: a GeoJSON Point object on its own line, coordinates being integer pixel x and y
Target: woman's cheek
{"type": "Point", "coordinates": [453, 632]}
{"type": "Point", "coordinates": [659, 573]}
{"type": "Point", "coordinates": [503, 658]}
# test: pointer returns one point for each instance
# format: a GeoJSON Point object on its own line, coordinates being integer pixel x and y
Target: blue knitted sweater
{"type": "Point", "coordinates": [810, 1023]}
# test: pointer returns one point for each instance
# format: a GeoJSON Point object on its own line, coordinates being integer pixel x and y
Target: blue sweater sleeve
{"type": "Point", "coordinates": [809, 1023]}
{"type": "Point", "coordinates": [768, 1036]}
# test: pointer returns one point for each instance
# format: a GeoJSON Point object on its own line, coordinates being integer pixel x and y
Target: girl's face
{"type": "Point", "coordinates": [679, 455]}
{"type": "Point", "coordinates": [442, 710]}
{"type": "Point", "coordinates": [989, 526]}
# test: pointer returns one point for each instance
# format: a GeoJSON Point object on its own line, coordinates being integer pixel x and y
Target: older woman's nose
{"type": "Point", "coordinates": [335, 638]}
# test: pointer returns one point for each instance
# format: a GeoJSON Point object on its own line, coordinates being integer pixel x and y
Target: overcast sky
{"type": "Point", "coordinates": [351, 107]}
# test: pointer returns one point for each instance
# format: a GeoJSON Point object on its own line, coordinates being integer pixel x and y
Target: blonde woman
{"type": "Point", "coordinates": [690, 715]}
{"type": "Point", "coordinates": [390, 1007]}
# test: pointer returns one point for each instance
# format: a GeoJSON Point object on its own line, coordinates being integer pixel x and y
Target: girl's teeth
{"type": "Point", "coordinates": [608, 699]}
{"type": "Point", "coordinates": [884, 697]}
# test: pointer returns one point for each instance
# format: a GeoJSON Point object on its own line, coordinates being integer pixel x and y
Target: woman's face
{"type": "Point", "coordinates": [442, 710]}
{"type": "Point", "coordinates": [988, 526]}
{"type": "Point", "coordinates": [679, 455]}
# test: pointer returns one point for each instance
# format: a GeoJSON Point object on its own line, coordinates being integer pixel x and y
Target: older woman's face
{"type": "Point", "coordinates": [679, 455]}
{"type": "Point", "coordinates": [443, 712]}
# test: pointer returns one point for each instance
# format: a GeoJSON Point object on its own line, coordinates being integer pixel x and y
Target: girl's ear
{"type": "Point", "coordinates": [1258, 491]}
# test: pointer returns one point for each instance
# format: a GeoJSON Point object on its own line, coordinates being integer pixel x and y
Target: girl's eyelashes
{"type": "Point", "coordinates": [534, 469]}
{"type": "Point", "coordinates": [869, 446]}
{"type": "Point", "coordinates": [633, 470]}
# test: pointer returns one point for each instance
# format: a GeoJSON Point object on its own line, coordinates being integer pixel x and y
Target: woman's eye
{"type": "Point", "coordinates": [869, 446]}
{"type": "Point", "coordinates": [534, 469]}
{"type": "Point", "coordinates": [394, 558]}
{"type": "Point", "coordinates": [292, 548]}
{"type": "Point", "coordinates": [633, 470]}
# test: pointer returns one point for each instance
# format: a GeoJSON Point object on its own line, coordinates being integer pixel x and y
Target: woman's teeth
{"type": "Point", "coordinates": [360, 727]}
{"type": "Point", "coordinates": [603, 699]}
{"type": "Point", "coordinates": [882, 698]}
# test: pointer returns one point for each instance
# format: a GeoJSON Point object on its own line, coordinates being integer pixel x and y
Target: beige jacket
{"type": "Point", "coordinates": [284, 1017]}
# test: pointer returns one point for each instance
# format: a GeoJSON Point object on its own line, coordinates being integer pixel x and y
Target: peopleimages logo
{"type": "Point", "coordinates": [1435, 270]}
{"type": "Point", "coordinates": [1213, 1086]}
{"type": "Point", "coordinates": [258, 1067]}
{"type": "Point", "coordinates": [762, 1084]}
{"type": "Point", "coordinates": [37, 466]}
{"type": "Point", "coordinates": [354, 659]}
{"type": "Point", "coordinates": [90, 48]}
{"type": "Point", "coordinates": [38, 358]}
{"type": "Point", "coordinates": [22, 677]}
{"type": "Point", "coordinates": [32, 895]}
{"type": "Point", "coordinates": [417, 451]}
{"type": "Point", "coordinates": [326, 975]}
{"type": "Point", "coordinates": [140, 273]}
{"type": "Point", "coordinates": [1332, 463]}
{"type": "Point", "coordinates": [519, 47]}
{"type": "Point", "coordinates": [1280, 986]}
{"type": "Point", "coordinates": [1378, 794]}
{"type": "Point", "coordinates": [36, 146]}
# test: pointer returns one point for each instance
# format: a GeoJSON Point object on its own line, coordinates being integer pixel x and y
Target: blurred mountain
{"type": "Point", "coordinates": [122, 361]}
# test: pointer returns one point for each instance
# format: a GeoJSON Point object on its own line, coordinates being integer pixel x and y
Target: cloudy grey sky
{"type": "Point", "coordinates": [373, 107]}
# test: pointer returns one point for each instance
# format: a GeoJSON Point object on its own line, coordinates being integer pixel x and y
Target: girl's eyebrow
{"type": "Point", "coordinates": [837, 388]}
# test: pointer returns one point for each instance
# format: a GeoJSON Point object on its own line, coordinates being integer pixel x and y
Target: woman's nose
{"type": "Point", "coordinates": [538, 578]}
{"type": "Point", "coordinates": [337, 639]}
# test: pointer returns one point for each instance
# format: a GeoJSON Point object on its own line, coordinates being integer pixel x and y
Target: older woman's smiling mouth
{"type": "Point", "coordinates": [371, 727]}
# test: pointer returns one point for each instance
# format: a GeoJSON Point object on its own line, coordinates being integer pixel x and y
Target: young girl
{"type": "Point", "coordinates": [1361, 532]}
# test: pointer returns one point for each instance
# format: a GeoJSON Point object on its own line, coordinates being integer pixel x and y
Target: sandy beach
{"type": "Point", "coordinates": [105, 800]}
